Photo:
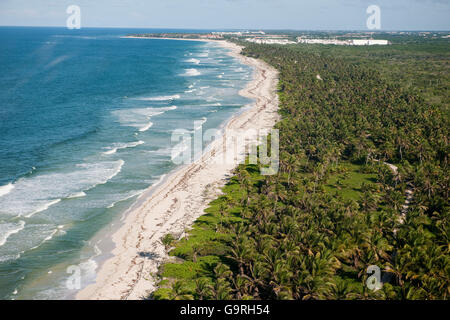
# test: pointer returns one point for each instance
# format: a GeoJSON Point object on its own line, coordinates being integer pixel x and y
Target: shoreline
{"type": "Point", "coordinates": [175, 203]}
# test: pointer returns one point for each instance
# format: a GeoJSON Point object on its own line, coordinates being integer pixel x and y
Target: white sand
{"type": "Point", "coordinates": [180, 200]}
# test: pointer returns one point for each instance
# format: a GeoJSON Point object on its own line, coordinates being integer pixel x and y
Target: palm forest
{"type": "Point", "coordinates": [363, 181]}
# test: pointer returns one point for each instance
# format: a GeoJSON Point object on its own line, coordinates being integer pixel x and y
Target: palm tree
{"type": "Point", "coordinates": [240, 253]}
{"type": "Point", "coordinates": [203, 289]}
{"type": "Point", "coordinates": [179, 292]}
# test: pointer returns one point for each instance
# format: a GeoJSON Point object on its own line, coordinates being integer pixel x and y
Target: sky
{"type": "Point", "coordinates": [231, 14]}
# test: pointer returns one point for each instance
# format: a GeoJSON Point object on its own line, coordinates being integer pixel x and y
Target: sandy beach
{"type": "Point", "coordinates": [176, 203]}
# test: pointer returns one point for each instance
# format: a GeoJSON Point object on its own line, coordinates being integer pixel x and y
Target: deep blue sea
{"type": "Point", "coordinates": [85, 127]}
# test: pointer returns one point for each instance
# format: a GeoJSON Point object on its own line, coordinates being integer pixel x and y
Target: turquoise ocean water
{"type": "Point", "coordinates": [85, 127]}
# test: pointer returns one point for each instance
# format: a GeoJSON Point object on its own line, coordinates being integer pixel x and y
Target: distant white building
{"type": "Point", "coordinates": [323, 41]}
{"type": "Point", "coordinates": [352, 42]}
{"type": "Point", "coordinates": [369, 42]}
{"type": "Point", "coordinates": [255, 32]}
{"type": "Point", "coordinates": [269, 41]}
{"type": "Point", "coordinates": [227, 33]}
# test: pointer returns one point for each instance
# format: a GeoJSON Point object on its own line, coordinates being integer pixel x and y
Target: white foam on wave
{"type": "Point", "coordinates": [160, 98]}
{"type": "Point", "coordinates": [129, 196]}
{"type": "Point", "coordinates": [193, 60]}
{"type": "Point", "coordinates": [32, 237]}
{"type": "Point", "coordinates": [61, 230]}
{"type": "Point", "coordinates": [9, 257]}
{"type": "Point", "coordinates": [50, 236]}
{"type": "Point", "coordinates": [217, 104]}
{"type": "Point", "coordinates": [139, 117]}
{"type": "Point", "coordinates": [191, 73]}
{"type": "Point", "coordinates": [43, 207]}
{"type": "Point", "coordinates": [8, 229]}
{"type": "Point", "coordinates": [51, 233]}
{"type": "Point", "coordinates": [80, 194]}
{"type": "Point", "coordinates": [37, 193]}
{"type": "Point", "coordinates": [4, 190]}
{"type": "Point", "coordinates": [116, 167]}
{"type": "Point", "coordinates": [146, 127]}
{"type": "Point", "coordinates": [120, 146]}
{"type": "Point", "coordinates": [212, 99]}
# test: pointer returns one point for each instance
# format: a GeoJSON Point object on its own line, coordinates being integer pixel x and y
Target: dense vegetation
{"type": "Point", "coordinates": [336, 206]}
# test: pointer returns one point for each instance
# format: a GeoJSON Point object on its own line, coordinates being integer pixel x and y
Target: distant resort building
{"type": "Point", "coordinates": [284, 40]}
{"type": "Point", "coordinates": [260, 37]}
{"type": "Point", "coordinates": [351, 42]}
{"type": "Point", "coordinates": [369, 42]}
{"type": "Point", "coordinates": [268, 40]}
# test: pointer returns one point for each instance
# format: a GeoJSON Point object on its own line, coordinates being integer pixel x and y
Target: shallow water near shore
{"type": "Point", "coordinates": [85, 128]}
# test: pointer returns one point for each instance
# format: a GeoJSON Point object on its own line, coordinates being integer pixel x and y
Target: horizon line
{"type": "Point", "coordinates": [235, 29]}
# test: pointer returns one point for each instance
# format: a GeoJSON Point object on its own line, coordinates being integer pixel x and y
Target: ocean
{"type": "Point", "coordinates": [86, 119]}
